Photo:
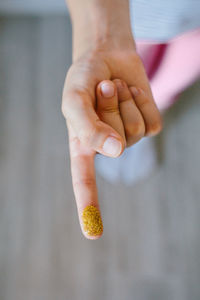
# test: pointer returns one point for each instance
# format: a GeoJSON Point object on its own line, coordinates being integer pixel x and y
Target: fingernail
{"type": "Point", "coordinates": [92, 223]}
{"type": "Point", "coordinates": [135, 91]}
{"type": "Point", "coordinates": [107, 90]}
{"type": "Point", "coordinates": [112, 146]}
{"type": "Point", "coordinates": [120, 84]}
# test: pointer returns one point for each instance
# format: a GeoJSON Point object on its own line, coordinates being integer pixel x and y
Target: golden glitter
{"type": "Point", "coordinates": [92, 223]}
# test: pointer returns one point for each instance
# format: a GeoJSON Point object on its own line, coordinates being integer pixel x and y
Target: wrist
{"type": "Point", "coordinates": [103, 41]}
{"type": "Point", "coordinates": [101, 25]}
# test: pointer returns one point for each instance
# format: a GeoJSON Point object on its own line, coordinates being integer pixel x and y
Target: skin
{"type": "Point", "coordinates": [104, 52]}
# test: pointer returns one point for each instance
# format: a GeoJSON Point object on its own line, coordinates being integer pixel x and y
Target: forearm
{"type": "Point", "coordinates": [99, 22]}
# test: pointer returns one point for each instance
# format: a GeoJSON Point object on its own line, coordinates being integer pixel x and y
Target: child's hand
{"type": "Point", "coordinates": [117, 107]}
{"type": "Point", "coordinates": [100, 124]}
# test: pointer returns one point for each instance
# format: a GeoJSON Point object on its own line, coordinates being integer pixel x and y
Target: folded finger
{"type": "Point", "coordinates": [132, 119]}
{"type": "Point", "coordinates": [108, 106]}
{"type": "Point", "coordinates": [149, 110]}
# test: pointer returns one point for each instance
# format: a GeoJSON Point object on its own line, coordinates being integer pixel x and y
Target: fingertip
{"type": "Point", "coordinates": [149, 110]}
{"type": "Point", "coordinates": [123, 91]}
{"type": "Point", "coordinates": [113, 147]}
{"type": "Point", "coordinates": [121, 84]}
{"type": "Point", "coordinates": [155, 128]}
{"type": "Point", "coordinates": [106, 89]}
{"type": "Point", "coordinates": [136, 91]}
{"type": "Point", "coordinates": [91, 222]}
{"type": "Point", "coordinates": [92, 237]}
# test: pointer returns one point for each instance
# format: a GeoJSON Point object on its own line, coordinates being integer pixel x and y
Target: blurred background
{"type": "Point", "coordinates": [150, 249]}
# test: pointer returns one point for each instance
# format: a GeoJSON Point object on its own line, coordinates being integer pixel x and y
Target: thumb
{"type": "Point", "coordinates": [78, 110]}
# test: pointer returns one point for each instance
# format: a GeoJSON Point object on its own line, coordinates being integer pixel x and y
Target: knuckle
{"type": "Point", "coordinates": [135, 129]}
{"type": "Point", "coordinates": [73, 100]}
{"type": "Point", "coordinates": [143, 102]}
{"type": "Point", "coordinates": [109, 109]}
{"type": "Point", "coordinates": [66, 99]}
{"type": "Point", "coordinates": [64, 107]}
{"type": "Point", "coordinates": [154, 128]}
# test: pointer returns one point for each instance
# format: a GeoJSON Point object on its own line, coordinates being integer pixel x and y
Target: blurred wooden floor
{"type": "Point", "coordinates": [150, 249]}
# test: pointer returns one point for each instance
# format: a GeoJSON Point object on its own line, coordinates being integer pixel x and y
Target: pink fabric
{"type": "Point", "coordinates": [171, 67]}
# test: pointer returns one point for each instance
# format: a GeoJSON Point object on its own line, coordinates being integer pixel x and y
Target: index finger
{"type": "Point", "coordinates": [85, 188]}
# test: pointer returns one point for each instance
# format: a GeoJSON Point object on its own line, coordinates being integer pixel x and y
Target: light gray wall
{"type": "Point", "coordinates": [32, 7]}
{"type": "Point", "coordinates": [150, 249]}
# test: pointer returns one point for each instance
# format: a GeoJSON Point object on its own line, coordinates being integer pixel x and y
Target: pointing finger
{"type": "Point", "coordinates": [85, 189]}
